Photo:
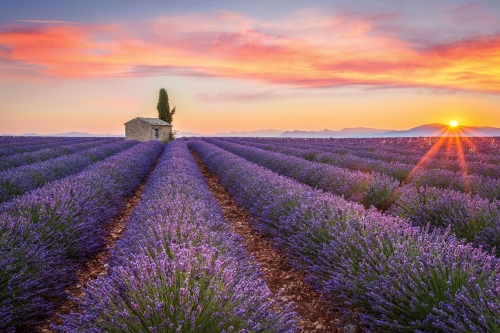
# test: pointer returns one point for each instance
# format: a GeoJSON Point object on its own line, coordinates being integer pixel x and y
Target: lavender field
{"type": "Point", "coordinates": [397, 235]}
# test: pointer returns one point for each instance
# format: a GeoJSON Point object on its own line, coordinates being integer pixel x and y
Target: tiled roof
{"type": "Point", "coordinates": [154, 121]}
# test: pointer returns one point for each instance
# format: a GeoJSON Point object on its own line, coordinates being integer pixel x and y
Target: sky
{"type": "Point", "coordinates": [248, 65]}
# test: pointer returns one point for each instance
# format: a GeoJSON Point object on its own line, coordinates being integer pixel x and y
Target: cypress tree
{"type": "Point", "coordinates": [163, 107]}
{"type": "Point", "coordinates": [170, 116]}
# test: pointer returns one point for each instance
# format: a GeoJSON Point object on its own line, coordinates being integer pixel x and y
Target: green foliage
{"type": "Point", "coordinates": [163, 107]}
{"type": "Point", "coordinates": [171, 137]}
{"type": "Point", "coordinates": [170, 116]}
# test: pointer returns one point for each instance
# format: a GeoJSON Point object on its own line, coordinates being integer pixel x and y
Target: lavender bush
{"type": "Point", "coordinates": [402, 275]}
{"type": "Point", "coordinates": [180, 289]}
{"type": "Point", "coordinates": [178, 268]}
{"type": "Point", "coordinates": [32, 277]}
{"type": "Point", "coordinates": [445, 153]}
{"type": "Point", "coordinates": [62, 222]}
{"type": "Point", "coordinates": [428, 174]}
{"type": "Point", "coordinates": [404, 278]}
{"type": "Point", "coordinates": [17, 160]}
{"type": "Point", "coordinates": [368, 189]}
{"type": "Point", "coordinates": [15, 182]}
{"type": "Point", "coordinates": [470, 217]}
{"type": "Point", "coordinates": [479, 310]}
{"type": "Point", "coordinates": [28, 144]}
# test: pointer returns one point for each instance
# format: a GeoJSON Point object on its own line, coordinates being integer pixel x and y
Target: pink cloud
{"type": "Point", "coordinates": [308, 48]}
{"type": "Point", "coordinates": [51, 22]}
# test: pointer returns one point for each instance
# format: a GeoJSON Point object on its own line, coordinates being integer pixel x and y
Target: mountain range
{"type": "Point", "coordinates": [364, 132]}
{"type": "Point", "coordinates": [445, 130]}
{"type": "Point", "coordinates": [258, 133]}
{"type": "Point", "coordinates": [356, 132]}
{"type": "Point", "coordinates": [360, 132]}
{"type": "Point", "coordinates": [70, 134]}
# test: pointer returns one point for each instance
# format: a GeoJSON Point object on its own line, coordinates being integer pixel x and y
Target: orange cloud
{"type": "Point", "coordinates": [306, 49]}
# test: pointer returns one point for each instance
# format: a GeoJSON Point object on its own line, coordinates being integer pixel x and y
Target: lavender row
{"type": "Point", "coordinates": [403, 149]}
{"type": "Point", "coordinates": [17, 160]}
{"type": "Point", "coordinates": [445, 153]}
{"type": "Point", "coordinates": [473, 218]}
{"type": "Point", "coordinates": [482, 162]}
{"type": "Point", "coordinates": [35, 144]}
{"type": "Point", "coordinates": [6, 139]}
{"type": "Point", "coordinates": [178, 268]}
{"type": "Point", "coordinates": [476, 184]}
{"type": "Point", "coordinates": [403, 278]}
{"type": "Point", "coordinates": [46, 233]}
{"type": "Point", "coordinates": [397, 164]}
{"type": "Point", "coordinates": [365, 188]}
{"type": "Point", "coordinates": [444, 156]}
{"type": "Point", "coordinates": [7, 142]}
{"type": "Point", "coordinates": [396, 170]}
{"type": "Point", "coordinates": [15, 182]}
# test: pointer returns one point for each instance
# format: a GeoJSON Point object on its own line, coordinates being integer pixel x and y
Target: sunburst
{"type": "Point", "coordinates": [452, 139]}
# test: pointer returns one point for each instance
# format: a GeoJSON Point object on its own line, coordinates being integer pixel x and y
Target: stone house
{"type": "Point", "coordinates": [145, 129]}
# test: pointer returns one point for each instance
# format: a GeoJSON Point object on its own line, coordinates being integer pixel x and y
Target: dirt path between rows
{"type": "Point", "coordinates": [96, 264]}
{"type": "Point", "coordinates": [316, 314]}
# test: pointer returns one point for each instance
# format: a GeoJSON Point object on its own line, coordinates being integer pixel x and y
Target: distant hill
{"type": "Point", "coordinates": [361, 132]}
{"type": "Point", "coordinates": [354, 132]}
{"type": "Point", "coordinates": [424, 130]}
{"type": "Point", "coordinates": [71, 134]}
{"type": "Point", "coordinates": [445, 130]}
{"type": "Point", "coordinates": [259, 133]}
{"type": "Point", "coordinates": [419, 131]}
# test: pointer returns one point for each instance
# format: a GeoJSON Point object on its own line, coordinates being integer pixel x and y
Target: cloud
{"type": "Point", "coordinates": [51, 22]}
{"type": "Point", "coordinates": [308, 48]}
{"type": "Point", "coordinates": [167, 70]}
{"type": "Point", "coordinates": [242, 97]}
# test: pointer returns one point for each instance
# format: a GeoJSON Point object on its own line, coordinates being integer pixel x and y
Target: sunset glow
{"type": "Point", "coordinates": [348, 64]}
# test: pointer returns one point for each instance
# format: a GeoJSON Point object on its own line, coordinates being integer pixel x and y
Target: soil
{"type": "Point", "coordinates": [96, 264]}
{"type": "Point", "coordinates": [316, 313]}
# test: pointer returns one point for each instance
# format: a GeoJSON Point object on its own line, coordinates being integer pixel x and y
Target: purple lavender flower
{"type": "Point", "coordinates": [178, 268]}
{"type": "Point", "coordinates": [368, 189]}
{"type": "Point", "coordinates": [404, 278]}
{"type": "Point", "coordinates": [17, 181]}
{"type": "Point", "coordinates": [45, 233]}
{"type": "Point", "coordinates": [76, 144]}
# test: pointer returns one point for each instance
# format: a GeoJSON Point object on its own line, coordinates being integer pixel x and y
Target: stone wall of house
{"type": "Point", "coordinates": [164, 132]}
{"type": "Point", "coordinates": [140, 130]}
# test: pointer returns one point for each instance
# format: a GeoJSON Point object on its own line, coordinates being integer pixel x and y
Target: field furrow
{"type": "Point", "coordinates": [316, 314]}
{"type": "Point", "coordinates": [403, 278]}
{"type": "Point", "coordinates": [17, 181]}
{"type": "Point", "coordinates": [178, 267]}
{"type": "Point", "coordinates": [472, 218]}
{"type": "Point", "coordinates": [17, 160]}
{"type": "Point", "coordinates": [97, 264]}
{"type": "Point", "coordinates": [33, 144]}
{"type": "Point", "coordinates": [48, 233]}
{"type": "Point", "coordinates": [485, 182]}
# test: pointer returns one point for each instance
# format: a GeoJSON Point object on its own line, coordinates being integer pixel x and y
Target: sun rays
{"type": "Point", "coordinates": [453, 138]}
{"type": "Point", "coordinates": [450, 144]}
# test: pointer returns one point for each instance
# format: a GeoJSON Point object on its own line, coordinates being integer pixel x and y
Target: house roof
{"type": "Point", "coordinates": [154, 121]}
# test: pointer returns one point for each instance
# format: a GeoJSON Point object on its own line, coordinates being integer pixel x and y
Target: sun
{"type": "Point", "coordinates": [453, 123]}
